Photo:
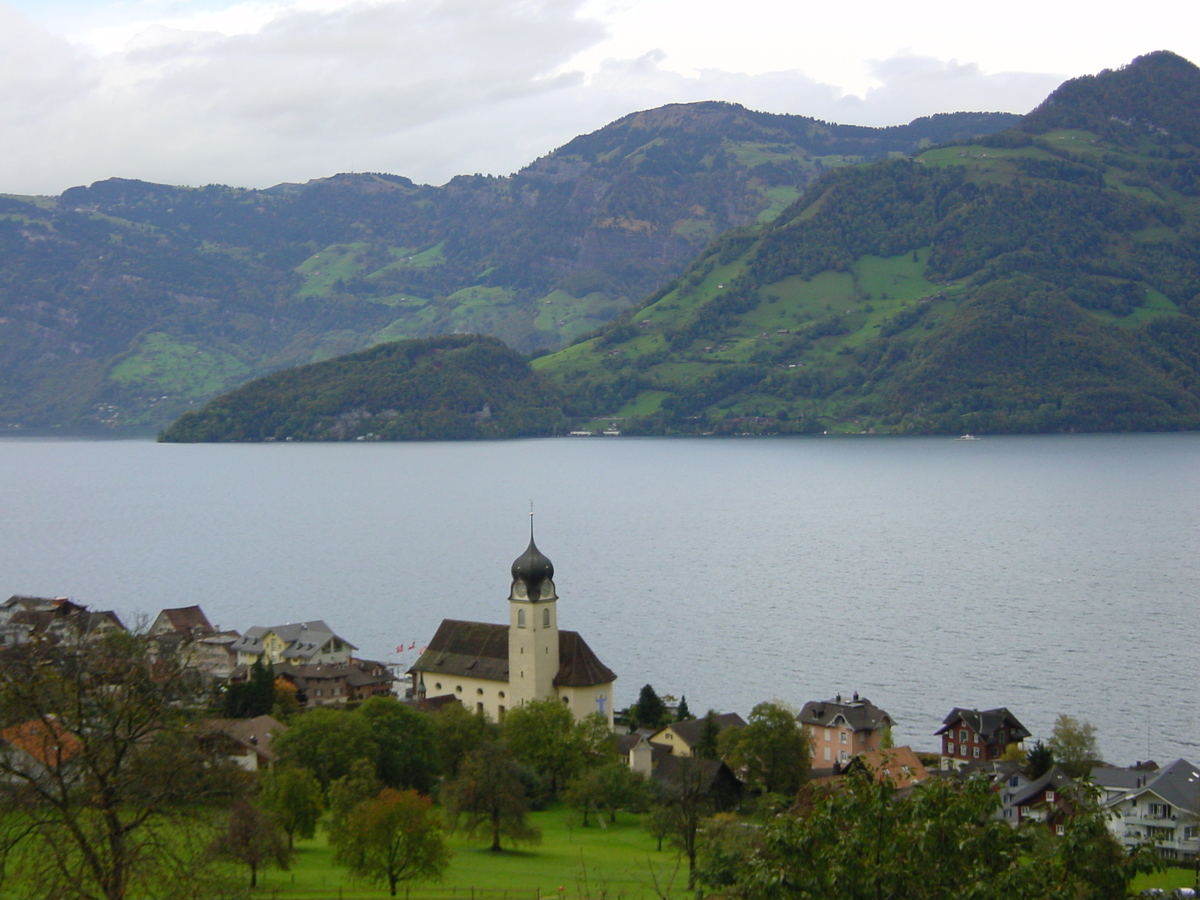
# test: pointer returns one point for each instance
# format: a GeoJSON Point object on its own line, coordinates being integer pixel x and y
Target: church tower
{"type": "Point", "coordinates": [533, 659]}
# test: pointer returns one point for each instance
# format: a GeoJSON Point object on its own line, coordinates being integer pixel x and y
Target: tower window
{"type": "Point", "coordinates": [520, 618]}
{"type": "Point", "coordinates": [546, 617]}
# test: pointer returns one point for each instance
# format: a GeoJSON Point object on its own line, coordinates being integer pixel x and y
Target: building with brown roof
{"type": "Point", "coordinates": [842, 729]}
{"type": "Point", "coordinates": [492, 668]}
{"type": "Point", "coordinates": [682, 737]}
{"type": "Point", "coordinates": [969, 735]}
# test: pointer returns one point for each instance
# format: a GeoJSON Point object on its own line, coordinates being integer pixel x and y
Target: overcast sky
{"type": "Point", "coordinates": [255, 93]}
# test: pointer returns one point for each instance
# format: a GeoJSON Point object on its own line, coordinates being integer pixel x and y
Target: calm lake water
{"type": "Point", "coordinates": [1045, 574]}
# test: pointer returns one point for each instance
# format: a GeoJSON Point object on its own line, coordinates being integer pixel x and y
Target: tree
{"type": "Point", "coordinates": [326, 742]}
{"type": "Point", "coordinates": [771, 752]}
{"type": "Point", "coordinates": [1039, 760]}
{"type": "Point", "coordinates": [292, 797]}
{"type": "Point", "coordinates": [458, 732]}
{"type": "Point", "coordinates": [682, 805]}
{"type": "Point", "coordinates": [542, 735]}
{"type": "Point", "coordinates": [488, 798]}
{"type": "Point", "coordinates": [682, 713]}
{"type": "Point", "coordinates": [611, 786]}
{"type": "Point", "coordinates": [649, 711]}
{"type": "Point", "coordinates": [397, 837]}
{"type": "Point", "coordinates": [253, 697]}
{"type": "Point", "coordinates": [710, 733]}
{"type": "Point", "coordinates": [355, 787]}
{"type": "Point", "coordinates": [859, 840]}
{"type": "Point", "coordinates": [252, 837]}
{"type": "Point", "coordinates": [1074, 746]}
{"type": "Point", "coordinates": [407, 756]}
{"type": "Point", "coordinates": [109, 774]}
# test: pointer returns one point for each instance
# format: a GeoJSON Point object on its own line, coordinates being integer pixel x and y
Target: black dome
{"type": "Point", "coordinates": [532, 566]}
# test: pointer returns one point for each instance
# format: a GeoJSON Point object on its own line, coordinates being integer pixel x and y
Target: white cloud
{"type": "Point", "coordinates": [262, 92]}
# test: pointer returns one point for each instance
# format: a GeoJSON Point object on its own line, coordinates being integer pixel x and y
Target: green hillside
{"type": "Point", "coordinates": [450, 387]}
{"type": "Point", "coordinates": [1046, 278]}
{"type": "Point", "coordinates": [127, 303]}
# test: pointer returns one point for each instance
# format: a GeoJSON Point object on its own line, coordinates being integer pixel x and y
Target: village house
{"type": "Point", "coordinates": [899, 765]}
{"type": "Point", "coordinates": [187, 633]}
{"type": "Point", "coordinates": [37, 749]}
{"type": "Point", "coordinates": [493, 668]}
{"type": "Point", "coordinates": [969, 735]}
{"type": "Point", "coordinates": [337, 684]}
{"type": "Point", "coordinates": [1160, 806]}
{"type": "Point", "coordinates": [1049, 799]}
{"type": "Point", "coordinates": [52, 618]}
{"type": "Point", "coordinates": [245, 741]}
{"type": "Point", "coordinates": [682, 738]}
{"type": "Point", "coordinates": [300, 643]}
{"type": "Point", "coordinates": [841, 729]}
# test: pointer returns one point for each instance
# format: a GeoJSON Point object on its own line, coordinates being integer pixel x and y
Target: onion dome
{"type": "Point", "coordinates": [532, 565]}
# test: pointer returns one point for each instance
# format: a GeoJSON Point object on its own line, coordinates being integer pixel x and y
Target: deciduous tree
{"type": "Point", "coordinates": [1074, 746]}
{"type": "Point", "coordinates": [104, 766]}
{"type": "Point", "coordinates": [326, 742]}
{"type": "Point", "coordinates": [407, 756]}
{"type": "Point", "coordinates": [771, 752]}
{"type": "Point", "coordinates": [395, 838]}
{"type": "Point", "coordinates": [488, 798]}
{"type": "Point", "coordinates": [252, 837]}
{"type": "Point", "coordinates": [292, 797]}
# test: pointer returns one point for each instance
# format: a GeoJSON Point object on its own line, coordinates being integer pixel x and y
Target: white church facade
{"type": "Point", "coordinates": [494, 668]}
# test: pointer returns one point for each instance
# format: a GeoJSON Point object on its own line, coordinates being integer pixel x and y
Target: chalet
{"type": "Point", "coordinates": [841, 729]}
{"type": "Point", "coordinates": [491, 668]}
{"type": "Point", "coordinates": [246, 741]}
{"type": "Point", "coordinates": [1161, 806]}
{"type": "Point", "coordinates": [301, 643]}
{"type": "Point", "coordinates": [1049, 799]}
{"type": "Point", "coordinates": [188, 621]}
{"type": "Point", "coordinates": [969, 735]}
{"type": "Point", "coordinates": [57, 619]}
{"type": "Point", "coordinates": [336, 684]}
{"type": "Point", "coordinates": [682, 738]}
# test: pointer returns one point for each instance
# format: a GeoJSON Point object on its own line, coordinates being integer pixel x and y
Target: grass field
{"type": "Point", "coordinates": [617, 862]}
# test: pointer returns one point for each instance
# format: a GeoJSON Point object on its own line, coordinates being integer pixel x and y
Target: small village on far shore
{"type": "Point", "coordinates": [491, 669]}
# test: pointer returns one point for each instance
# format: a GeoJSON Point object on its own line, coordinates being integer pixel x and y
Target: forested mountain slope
{"type": "Point", "coordinates": [1046, 278]}
{"type": "Point", "coordinates": [448, 387]}
{"type": "Point", "coordinates": [127, 302]}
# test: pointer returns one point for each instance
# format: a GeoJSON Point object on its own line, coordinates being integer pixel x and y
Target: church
{"type": "Point", "coordinates": [493, 668]}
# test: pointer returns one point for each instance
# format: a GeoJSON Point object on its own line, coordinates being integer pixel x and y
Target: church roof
{"type": "Point", "coordinates": [480, 650]}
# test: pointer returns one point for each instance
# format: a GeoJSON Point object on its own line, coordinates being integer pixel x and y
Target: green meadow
{"type": "Point", "coordinates": [619, 861]}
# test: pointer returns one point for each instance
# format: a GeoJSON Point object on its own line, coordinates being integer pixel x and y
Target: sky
{"type": "Point", "coordinates": [260, 92]}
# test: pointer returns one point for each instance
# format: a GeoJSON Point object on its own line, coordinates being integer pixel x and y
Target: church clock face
{"type": "Point", "coordinates": [519, 589]}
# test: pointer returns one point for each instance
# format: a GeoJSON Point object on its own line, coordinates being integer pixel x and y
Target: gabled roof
{"type": "Point", "coordinates": [900, 764]}
{"type": "Point", "coordinates": [690, 731]}
{"type": "Point", "coordinates": [1055, 780]}
{"type": "Point", "coordinates": [254, 734]}
{"type": "Point", "coordinates": [1177, 784]}
{"type": "Point", "coordinates": [859, 713]}
{"type": "Point", "coordinates": [186, 620]}
{"type": "Point", "coordinates": [302, 640]}
{"type": "Point", "coordinates": [43, 740]}
{"type": "Point", "coordinates": [985, 723]}
{"type": "Point", "coordinates": [480, 650]}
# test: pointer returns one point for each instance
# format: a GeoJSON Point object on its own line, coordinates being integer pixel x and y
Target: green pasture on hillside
{"type": "Point", "coordinates": [616, 862]}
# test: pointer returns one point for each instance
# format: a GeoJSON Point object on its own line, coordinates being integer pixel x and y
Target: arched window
{"type": "Point", "coordinates": [546, 617]}
{"type": "Point", "coordinates": [520, 618]}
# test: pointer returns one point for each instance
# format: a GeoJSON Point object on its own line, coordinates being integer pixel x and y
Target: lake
{"type": "Point", "coordinates": [1048, 574]}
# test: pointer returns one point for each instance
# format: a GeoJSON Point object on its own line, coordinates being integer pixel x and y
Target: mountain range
{"type": "Point", "coordinates": [713, 269]}
{"type": "Point", "coordinates": [126, 303]}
